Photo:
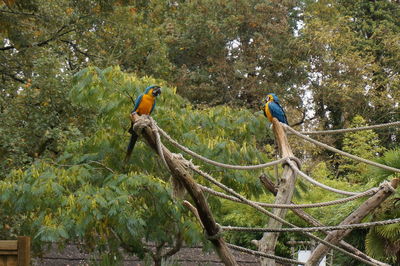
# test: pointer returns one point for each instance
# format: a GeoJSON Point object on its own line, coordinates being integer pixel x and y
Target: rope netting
{"type": "Point", "coordinates": [234, 196]}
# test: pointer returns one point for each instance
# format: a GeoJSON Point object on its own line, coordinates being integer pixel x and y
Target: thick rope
{"type": "Point", "coordinates": [345, 130]}
{"type": "Point", "coordinates": [312, 229]}
{"type": "Point", "coordinates": [229, 166]}
{"type": "Point", "coordinates": [262, 210]}
{"type": "Point", "coordinates": [262, 254]}
{"type": "Point", "coordinates": [154, 127]}
{"type": "Point", "coordinates": [244, 200]}
{"type": "Point", "coordinates": [293, 206]}
{"type": "Point", "coordinates": [315, 182]}
{"type": "Point", "coordinates": [341, 152]}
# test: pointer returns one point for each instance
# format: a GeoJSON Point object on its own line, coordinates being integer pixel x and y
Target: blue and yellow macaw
{"type": "Point", "coordinates": [273, 109]}
{"type": "Point", "coordinates": [144, 105]}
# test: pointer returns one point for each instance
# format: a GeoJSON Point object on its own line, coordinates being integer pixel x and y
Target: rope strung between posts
{"type": "Point", "coordinates": [229, 166]}
{"type": "Point", "coordinates": [259, 208]}
{"type": "Point", "coordinates": [262, 210]}
{"type": "Point", "coordinates": [315, 182]}
{"type": "Point", "coordinates": [312, 229]}
{"type": "Point", "coordinates": [262, 254]}
{"type": "Point", "coordinates": [345, 130]}
{"type": "Point", "coordinates": [249, 167]}
{"type": "Point", "coordinates": [293, 206]}
{"type": "Point", "coordinates": [341, 152]}
{"type": "Point", "coordinates": [159, 148]}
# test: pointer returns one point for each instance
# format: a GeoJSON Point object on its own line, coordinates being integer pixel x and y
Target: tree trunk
{"type": "Point", "coordinates": [284, 196]}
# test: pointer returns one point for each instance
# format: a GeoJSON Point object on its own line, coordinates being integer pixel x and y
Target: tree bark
{"type": "Point", "coordinates": [180, 172]}
{"type": "Point", "coordinates": [284, 196]}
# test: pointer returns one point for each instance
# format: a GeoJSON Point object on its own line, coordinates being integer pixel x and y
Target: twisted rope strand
{"type": "Point", "coordinates": [154, 127]}
{"type": "Point", "coordinates": [344, 130]}
{"type": "Point", "coordinates": [262, 210]}
{"type": "Point", "coordinates": [341, 152]}
{"type": "Point", "coordinates": [315, 182]}
{"type": "Point", "coordinates": [312, 229]}
{"type": "Point", "coordinates": [229, 166]}
{"type": "Point", "coordinates": [262, 254]}
{"type": "Point", "coordinates": [292, 206]}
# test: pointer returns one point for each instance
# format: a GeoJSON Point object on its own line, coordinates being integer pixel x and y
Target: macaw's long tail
{"type": "Point", "coordinates": [131, 145]}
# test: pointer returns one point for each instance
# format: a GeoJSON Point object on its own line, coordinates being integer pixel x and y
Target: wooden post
{"type": "Point", "coordinates": [311, 220]}
{"type": "Point", "coordinates": [335, 237]}
{"type": "Point", "coordinates": [284, 195]}
{"type": "Point", "coordinates": [15, 252]}
{"type": "Point", "coordinates": [24, 252]}
{"type": "Point", "coordinates": [179, 171]}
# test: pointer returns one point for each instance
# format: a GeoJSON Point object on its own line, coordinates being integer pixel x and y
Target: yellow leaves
{"type": "Point", "coordinates": [253, 25]}
{"type": "Point", "coordinates": [69, 11]}
{"type": "Point", "coordinates": [93, 204]}
{"type": "Point", "coordinates": [9, 3]}
{"type": "Point", "coordinates": [132, 10]}
{"type": "Point", "coordinates": [71, 200]}
{"type": "Point", "coordinates": [48, 221]}
{"type": "Point", "coordinates": [96, 9]}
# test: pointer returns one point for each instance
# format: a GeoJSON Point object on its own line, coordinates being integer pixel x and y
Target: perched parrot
{"type": "Point", "coordinates": [144, 105]}
{"type": "Point", "coordinates": [273, 109]}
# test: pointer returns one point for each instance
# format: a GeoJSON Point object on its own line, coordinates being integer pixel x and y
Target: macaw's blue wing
{"type": "Point", "coordinates": [277, 111]}
{"type": "Point", "coordinates": [137, 102]}
{"type": "Point", "coordinates": [154, 105]}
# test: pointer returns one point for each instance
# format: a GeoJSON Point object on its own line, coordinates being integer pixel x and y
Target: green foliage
{"type": "Point", "coordinates": [220, 133]}
{"type": "Point", "coordinates": [89, 203]}
{"type": "Point", "coordinates": [390, 158]}
{"type": "Point", "coordinates": [350, 62]}
{"type": "Point", "coordinates": [382, 242]}
{"type": "Point", "coordinates": [66, 116]}
{"type": "Point", "coordinates": [89, 194]}
{"type": "Point", "coordinates": [364, 144]}
{"type": "Point", "coordinates": [233, 52]}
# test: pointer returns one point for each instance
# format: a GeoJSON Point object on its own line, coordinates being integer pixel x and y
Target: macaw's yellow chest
{"type": "Point", "coordinates": [268, 112]}
{"type": "Point", "coordinates": [146, 105]}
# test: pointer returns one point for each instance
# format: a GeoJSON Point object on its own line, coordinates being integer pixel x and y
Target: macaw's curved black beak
{"type": "Point", "coordinates": [156, 91]}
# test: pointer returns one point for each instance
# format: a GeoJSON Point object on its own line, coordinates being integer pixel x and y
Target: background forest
{"type": "Point", "coordinates": [68, 71]}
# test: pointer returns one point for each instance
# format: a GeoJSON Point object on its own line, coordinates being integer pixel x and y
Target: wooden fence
{"type": "Point", "coordinates": [15, 252]}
